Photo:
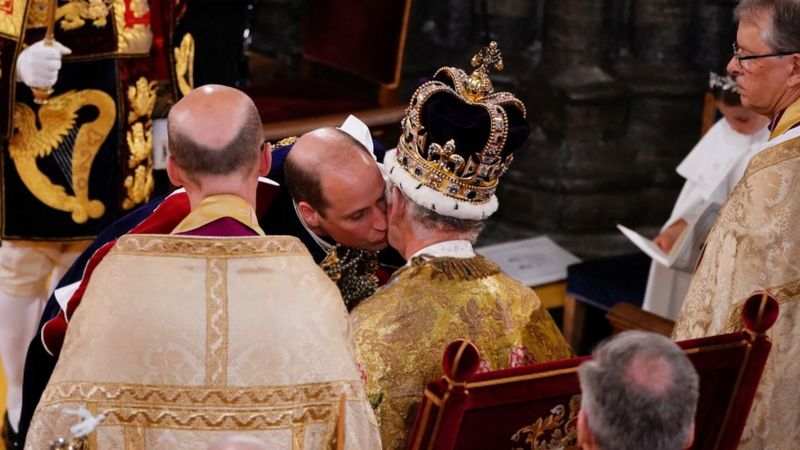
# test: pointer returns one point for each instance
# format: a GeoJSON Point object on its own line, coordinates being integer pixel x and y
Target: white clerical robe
{"type": "Point", "coordinates": [711, 170]}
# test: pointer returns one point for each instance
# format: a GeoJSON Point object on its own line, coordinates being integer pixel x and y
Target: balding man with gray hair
{"type": "Point", "coordinates": [639, 391]}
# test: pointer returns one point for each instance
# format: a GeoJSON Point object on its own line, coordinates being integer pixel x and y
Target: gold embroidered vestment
{"type": "Point", "coordinates": [755, 245]}
{"type": "Point", "coordinates": [402, 330]}
{"type": "Point", "coordinates": [180, 340]}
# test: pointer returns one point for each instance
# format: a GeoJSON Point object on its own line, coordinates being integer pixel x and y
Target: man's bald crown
{"type": "Point", "coordinates": [319, 153]}
{"type": "Point", "coordinates": [214, 129]}
{"type": "Point", "coordinates": [328, 148]}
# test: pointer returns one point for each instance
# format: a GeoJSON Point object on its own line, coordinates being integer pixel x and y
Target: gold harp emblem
{"type": "Point", "coordinates": [184, 64]}
{"type": "Point", "coordinates": [58, 118]}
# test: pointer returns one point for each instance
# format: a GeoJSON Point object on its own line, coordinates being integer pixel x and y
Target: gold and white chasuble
{"type": "Point", "coordinates": [180, 340]}
{"type": "Point", "coordinates": [402, 330]}
{"type": "Point", "coordinates": [755, 245]}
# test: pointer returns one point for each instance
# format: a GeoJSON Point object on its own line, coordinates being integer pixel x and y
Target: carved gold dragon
{"type": "Point", "coordinates": [58, 118]}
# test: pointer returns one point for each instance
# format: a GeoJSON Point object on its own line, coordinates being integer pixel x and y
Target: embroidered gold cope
{"type": "Point", "coordinates": [755, 245]}
{"type": "Point", "coordinates": [180, 340]}
{"type": "Point", "coordinates": [402, 330]}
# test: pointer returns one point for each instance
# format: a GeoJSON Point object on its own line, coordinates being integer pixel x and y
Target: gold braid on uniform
{"type": "Point", "coordinates": [353, 271]}
{"type": "Point", "coordinates": [455, 268]}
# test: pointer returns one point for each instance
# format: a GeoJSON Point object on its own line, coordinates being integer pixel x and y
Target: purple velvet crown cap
{"type": "Point", "coordinates": [446, 117]}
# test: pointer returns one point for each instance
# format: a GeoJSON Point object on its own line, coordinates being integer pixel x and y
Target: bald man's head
{"type": "Point", "coordinates": [320, 153]}
{"type": "Point", "coordinates": [215, 130]}
{"type": "Point", "coordinates": [338, 188]}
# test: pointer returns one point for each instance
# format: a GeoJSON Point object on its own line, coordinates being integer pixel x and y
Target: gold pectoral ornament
{"type": "Point", "coordinates": [58, 117]}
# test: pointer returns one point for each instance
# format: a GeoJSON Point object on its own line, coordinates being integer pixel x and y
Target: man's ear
{"type": "Point", "coordinates": [265, 160]}
{"type": "Point", "coordinates": [174, 173]}
{"type": "Point", "coordinates": [794, 77]}
{"type": "Point", "coordinates": [396, 209]}
{"type": "Point", "coordinates": [585, 438]}
{"type": "Point", "coordinates": [309, 214]}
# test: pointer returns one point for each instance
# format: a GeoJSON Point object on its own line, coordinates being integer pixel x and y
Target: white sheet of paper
{"type": "Point", "coordinates": [646, 245]}
{"type": "Point", "coordinates": [533, 262]}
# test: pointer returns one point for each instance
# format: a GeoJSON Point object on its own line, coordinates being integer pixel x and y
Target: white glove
{"type": "Point", "coordinates": [160, 144]}
{"type": "Point", "coordinates": [38, 65]}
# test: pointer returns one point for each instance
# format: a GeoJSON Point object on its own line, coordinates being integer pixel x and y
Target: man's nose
{"type": "Point", "coordinates": [733, 67]}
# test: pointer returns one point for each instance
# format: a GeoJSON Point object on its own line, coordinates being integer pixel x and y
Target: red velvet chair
{"type": "Point", "coordinates": [537, 406]}
{"type": "Point", "coordinates": [354, 54]}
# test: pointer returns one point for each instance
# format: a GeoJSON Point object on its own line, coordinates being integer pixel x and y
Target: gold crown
{"type": "Point", "coordinates": [472, 179]}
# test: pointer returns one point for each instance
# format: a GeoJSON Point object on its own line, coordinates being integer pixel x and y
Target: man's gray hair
{"type": "Point", "coordinates": [196, 158]}
{"type": "Point", "coordinates": [639, 390]}
{"type": "Point", "coordinates": [783, 34]}
{"type": "Point", "coordinates": [427, 222]}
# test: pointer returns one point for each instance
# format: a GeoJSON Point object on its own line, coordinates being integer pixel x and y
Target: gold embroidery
{"type": "Point", "coordinates": [774, 155]}
{"type": "Point", "coordinates": [456, 268]}
{"type": "Point", "coordinates": [37, 14]}
{"type": "Point", "coordinates": [284, 142]}
{"type": "Point", "coordinates": [139, 8]}
{"type": "Point", "coordinates": [131, 38]}
{"type": "Point", "coordinates": [138, 186]}
{"type": "Point", "coordinates": [184, 64]}
{"type": "Point", "coordinates": [298, 436]}
{"type": "Point", "coordinates": [134, 436]}
{"type": "Point", "coordinates": [140, 143]}
{"type": "Point", "coordinates": [75, 13]}
{"type": "Point", "coordinates": [562, 434]}
{"type": "Point", "coordinates": [142, 97]}
{"type": "Point", "coordinates": [207, 408]}
{"type": "Point", "coordinates": [217, 322]}
{"type": "Point", "coordinates": [219, 248]}
{"type": "Point", "coordinates": [58, 119]}
{"type": "Point", "coordinates": [12, 13]}
{"type": "Point", "coordinates": [399, 333]}
{"type": "Point", "coordinates": [353, 271]}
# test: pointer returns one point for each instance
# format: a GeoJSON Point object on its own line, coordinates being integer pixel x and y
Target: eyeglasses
{"type": "Point", "coordinates": [740, 58]}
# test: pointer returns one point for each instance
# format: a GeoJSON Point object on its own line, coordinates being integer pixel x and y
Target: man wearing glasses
{"type": "Point", "coordinates": [755, 244]}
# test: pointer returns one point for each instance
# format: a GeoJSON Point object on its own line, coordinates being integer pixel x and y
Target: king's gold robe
{"type": "Point", "coordinates": [180, 340]}
{"type": "Point", "coordinates": [755, 245]}
{"type": "Point", "coordinates": [402, 331]}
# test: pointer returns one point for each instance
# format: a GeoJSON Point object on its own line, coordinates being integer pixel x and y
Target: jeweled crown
{"type": "Point", "coordinates": [469, 170]}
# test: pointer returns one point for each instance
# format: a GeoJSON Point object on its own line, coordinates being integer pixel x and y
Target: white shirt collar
{"type": "Point", "coordinates": [454, 249]}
